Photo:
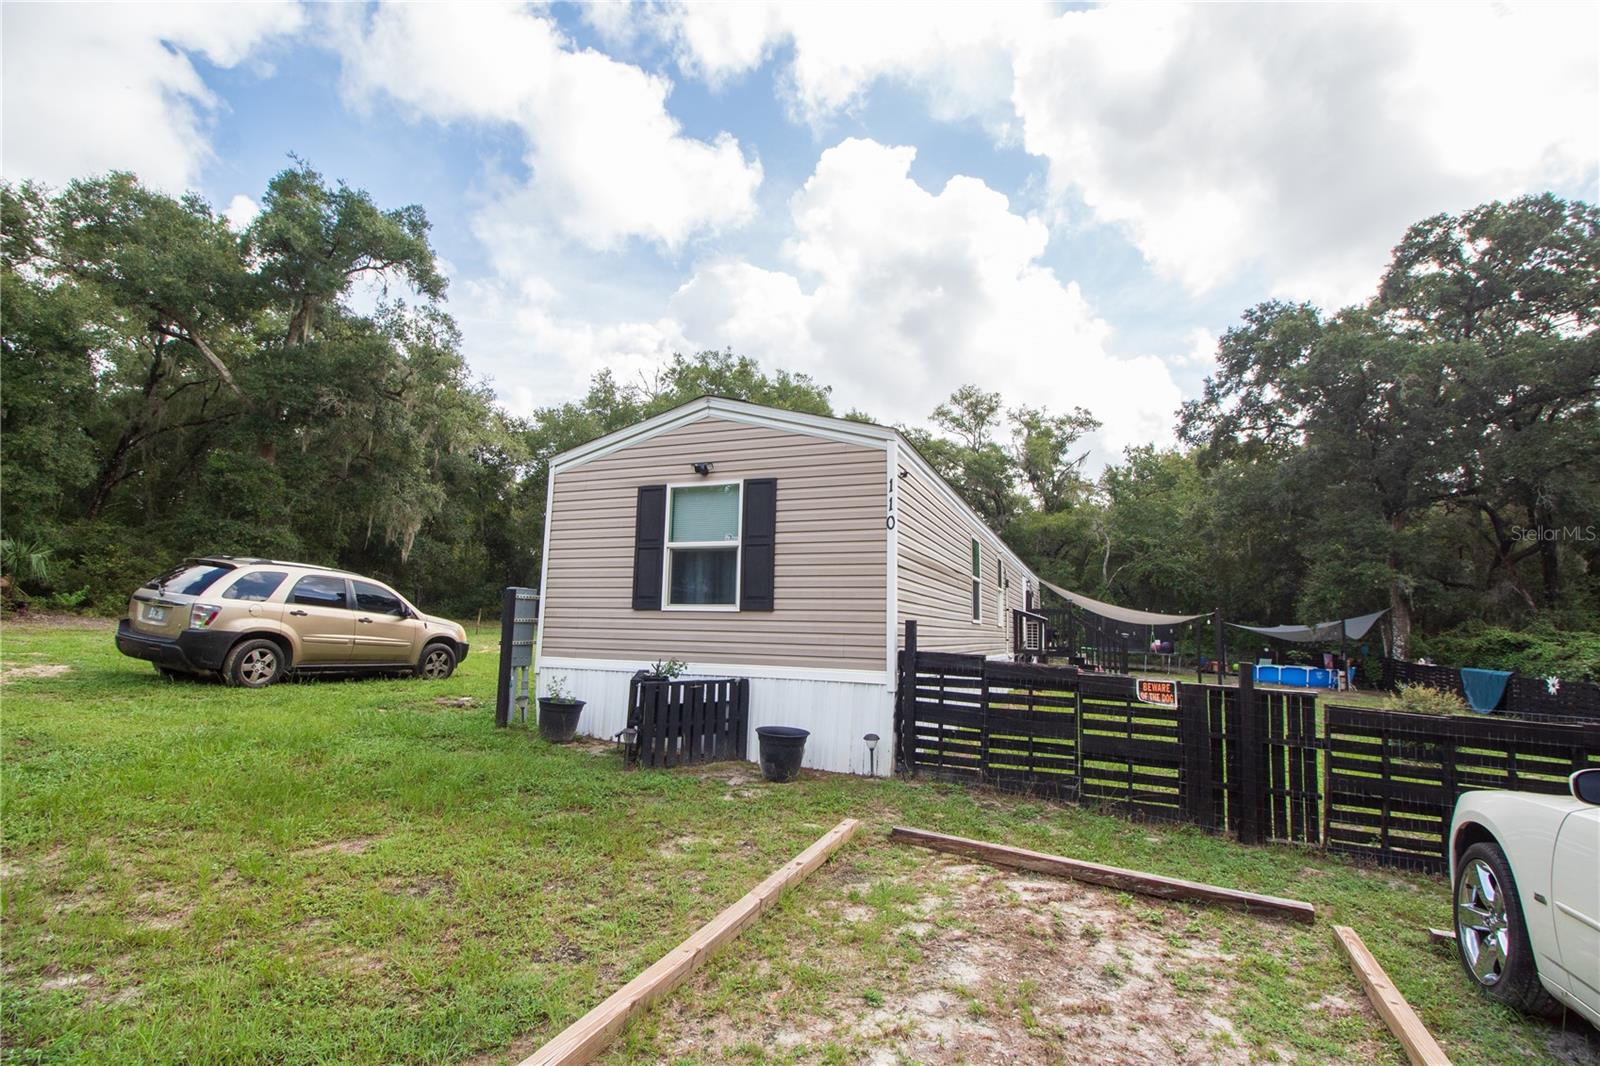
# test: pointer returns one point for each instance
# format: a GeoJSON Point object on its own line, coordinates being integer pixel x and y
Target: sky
{"type": "Point", "coordinates": [1064, 204]}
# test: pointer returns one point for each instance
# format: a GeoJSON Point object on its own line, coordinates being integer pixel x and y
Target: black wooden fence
{"type": "Point", "coordinates": [681, 722]}
{"type": "Point", "coordinates": [1393, 778]}
{"type": "Point", "coordinates": [1525, 697]}
{"type": "Point", "coordinates": [1257, 763]}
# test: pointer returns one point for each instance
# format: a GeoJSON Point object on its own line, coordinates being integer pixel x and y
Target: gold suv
{"type": "Point", "coordinates": [255, 620]}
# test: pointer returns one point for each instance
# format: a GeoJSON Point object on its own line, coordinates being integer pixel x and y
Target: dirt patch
{"type": "Point", "coordinates": [1577, 1044]}
{"type": "Point", "coordinates": [455, 701]}
{"type": "Point", "coordinates": [1009, 969]}
{"type": "Point", "coordinates": [348, 846]}
{"type": "Point", "coordinates": [37, 670]}
{"type": "Point", "coordinates": [65, 981]}
{"type": "Point", "coordinates": [49, 620]}
{"type": "Point", "coordinates": [420, 887]}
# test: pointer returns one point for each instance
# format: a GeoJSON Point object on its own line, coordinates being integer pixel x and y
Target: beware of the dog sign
{"type": "Point", "coordinates": [1159, 693]}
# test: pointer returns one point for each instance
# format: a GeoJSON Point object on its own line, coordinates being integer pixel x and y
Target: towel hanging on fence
{"type": "Point", "coordinates": [1483, 688]}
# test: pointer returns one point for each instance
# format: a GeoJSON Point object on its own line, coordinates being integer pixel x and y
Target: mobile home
{"type": "Point", "coordinates": [753, 542]}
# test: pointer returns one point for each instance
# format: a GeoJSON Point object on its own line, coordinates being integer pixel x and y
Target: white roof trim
{"type": "Point", "coordinates": [838, 429]}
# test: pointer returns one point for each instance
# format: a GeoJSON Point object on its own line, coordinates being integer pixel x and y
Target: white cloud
{"type": "Point", "coordinates": [1293, 140]}
{"type": "Point", "coordinates": [536, 356]}
{"type": "Point", "coordinates": [95, 87]}
{"type": "Point", "coordinates": [892, 294]}
{"type": "Point", "coordinates": [607, 161]}
{"type": "Point", "coordinates": [241, 212]}
{"type": "Point", "coordinates": [900, 295]}
{"type": "Point", "coordinates": [1303, 139]}
{"type": "Point", "coordinates": [957, 53]}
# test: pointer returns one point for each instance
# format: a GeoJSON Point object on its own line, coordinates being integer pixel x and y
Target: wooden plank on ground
{"type": "Point", "coordinates": [1442, 936]}
{"type": "Point", "coordinates": [587, 1037]}
{"type": "Point", "coordinates": [1110, 876]}
{"type": "Point", "coordinates": [1391, 1006]}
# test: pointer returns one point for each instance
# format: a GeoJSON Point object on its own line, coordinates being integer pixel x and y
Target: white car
{"type": "Point", "coordinates": [1526, 872]}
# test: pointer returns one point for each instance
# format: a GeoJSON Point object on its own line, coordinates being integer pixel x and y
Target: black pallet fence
{"type": "Point", "coordinates": [1255, 762]}
{"type": "Point", "coordinates": [1525, 697]}
{"type": "Point", "coordinates": [1393, 777]}
{"type": "Point", "coordinates": [1131, 752]}
{"type": "Point", "coordinates": [684, 722]}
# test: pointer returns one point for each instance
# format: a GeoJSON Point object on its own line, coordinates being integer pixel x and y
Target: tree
{"type": "Point", "coordinates": [1043, 445]}
{"type": "Point", "coordinates": [1470, 382]}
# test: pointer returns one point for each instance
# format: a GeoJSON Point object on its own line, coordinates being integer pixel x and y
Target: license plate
{"type": "Point", "coordinates": [155, 614]}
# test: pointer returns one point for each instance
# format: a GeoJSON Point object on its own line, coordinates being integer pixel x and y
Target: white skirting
{"type": "Point", "coordinates": [837, 712]}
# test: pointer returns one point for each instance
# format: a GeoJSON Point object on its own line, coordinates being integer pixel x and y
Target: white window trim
{"type": "Point", "coordinates": [1000, 593]}
{"type": "Point", "coordinates": [974, 544]}
{"type": "Point", "coordinates": [667, 547]}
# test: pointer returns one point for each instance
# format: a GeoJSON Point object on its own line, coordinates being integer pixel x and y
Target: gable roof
{"type": "Point", "coordinates": [846, 430]}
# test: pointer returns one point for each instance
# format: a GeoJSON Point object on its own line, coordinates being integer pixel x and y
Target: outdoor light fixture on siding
{"type": "Point", "coordinates": [872, 753]}
{"type": "Point", "coordinates": [702, 468]}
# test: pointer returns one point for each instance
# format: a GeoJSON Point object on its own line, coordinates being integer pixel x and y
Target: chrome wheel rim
{"type": "Point", "coordinates": [436, 664]}
{"type": "Point", "coordinates": [258, 666]}
{"type": "Point", "coordinates": [1482, 930]}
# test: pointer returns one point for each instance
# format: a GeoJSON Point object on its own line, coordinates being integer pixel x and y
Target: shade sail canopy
{"type": "Point", "coordinates": [1322, 632]}
{"type": "Point", "coordinates": [1121, 614]}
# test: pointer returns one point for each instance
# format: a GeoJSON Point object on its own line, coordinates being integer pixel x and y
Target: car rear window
{"type": "Point", "coordinates": [190, 579]}
{"type": "Point", "coordinates": [256, 586]}
{"type": "Point", "coordinates": [319, 592]}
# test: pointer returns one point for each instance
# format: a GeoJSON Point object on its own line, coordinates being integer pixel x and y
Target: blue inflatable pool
{"type": "Point", "coordinates": [1295, 676]}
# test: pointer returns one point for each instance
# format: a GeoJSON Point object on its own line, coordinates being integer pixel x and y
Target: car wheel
{"type": "Point", "coordinates": [437, 663]}
{"type": "Point", "coordinates": [253, 664]}
{"type": "Point", "coordinates": [1492, 935]}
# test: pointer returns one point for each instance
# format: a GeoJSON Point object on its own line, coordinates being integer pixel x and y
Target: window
{"type": "Point", "coordinates": [1000, 593]}
{"type": "Point", "coordinates": [377, 599]}
{"type": "Point", "coordinates": [977, 583]}
{"type": "Point", "coordinates": [319, 592]}
{"type": "Point", "coordinates": [257, 586]}
{"type": "Point", "coordinates": [703, 546]}
{"type": "Point", "coordinates": [190, 579]}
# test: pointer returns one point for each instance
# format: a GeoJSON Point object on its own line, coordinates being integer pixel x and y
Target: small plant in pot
{"type": "Point", "coordinates": [558, 713]}
{"type": "Point", "coordinates": [664, 670]}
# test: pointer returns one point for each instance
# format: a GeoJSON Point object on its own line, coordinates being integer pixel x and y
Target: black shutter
{"type": "Point", "coordinates": [649, 542]}
{"type": "Point", "coordinates": [760, 534]}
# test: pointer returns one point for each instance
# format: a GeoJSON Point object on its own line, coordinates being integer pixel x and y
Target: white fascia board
{"type": "Point", "coordinates": [892, 552]}
{"type": "Point", "coordinates": [837, 429]}
{"type": "Point", "coordinates": [697, 668]}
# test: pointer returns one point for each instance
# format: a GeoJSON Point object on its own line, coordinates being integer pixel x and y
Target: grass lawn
{"type": "Point", "coordinates": [368, 871]}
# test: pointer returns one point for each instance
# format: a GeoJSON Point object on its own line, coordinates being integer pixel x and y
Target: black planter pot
{"type": "Point", "coordinates": [558, 719]}
{"type": "Point", "coordinates": [782, 748]}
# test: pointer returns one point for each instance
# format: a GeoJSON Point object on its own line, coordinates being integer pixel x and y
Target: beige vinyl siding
{"type": "Point", "coordinates": [830, 581]}
{"type": "Point", "coordinates": [935, 574]}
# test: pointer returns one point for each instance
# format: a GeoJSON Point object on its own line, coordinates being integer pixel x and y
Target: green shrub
{"type": "Point", "coordinates": [1538, 651]}
{"type": "Point", "coordinates": [1421, 699]}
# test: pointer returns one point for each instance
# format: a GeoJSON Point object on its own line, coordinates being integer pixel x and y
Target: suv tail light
{"type": "Point", "coordinates": [202, 615]}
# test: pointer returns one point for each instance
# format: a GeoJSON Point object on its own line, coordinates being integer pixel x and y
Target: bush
{"type": "Point", "coordinates": [1538, 651]}
{"type": "Point", "coordinates": [1421, 699]}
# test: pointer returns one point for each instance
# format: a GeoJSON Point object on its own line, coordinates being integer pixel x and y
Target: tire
{"type": "Point", "coordinates": [438, 661]}
{"type": "Point", "coordinates": [1492, 935]}
{"type": "Point", "coordinates": [254, 664]}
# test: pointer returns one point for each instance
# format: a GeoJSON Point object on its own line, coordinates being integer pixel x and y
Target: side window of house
{"type": "Point", "coordinates": [257, 586]}
{"type": "Point", "coordinates": [378, 600]}
{"type": "Point", "coordinates": [318, 591]}
{"type": "Point", "coordinates": [1000, 593]}
{"type": "Point", "coordinates": [977, 583]}
{"type": "Point", "coordinates": [703, 527]}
